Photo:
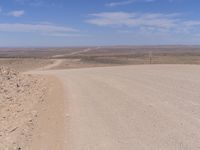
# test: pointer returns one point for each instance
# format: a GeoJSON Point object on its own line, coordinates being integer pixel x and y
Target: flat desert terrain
{"type": "Point", "coordinates": [84, 57]}
{"type": "Point", "coordinates": [99, 99]}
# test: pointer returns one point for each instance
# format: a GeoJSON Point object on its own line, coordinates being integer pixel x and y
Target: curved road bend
{"type": "Point", "coordinates": [132, 107]}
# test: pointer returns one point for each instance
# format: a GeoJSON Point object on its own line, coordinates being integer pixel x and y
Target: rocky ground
{"type": "Point", "coordinates": [19, 95]}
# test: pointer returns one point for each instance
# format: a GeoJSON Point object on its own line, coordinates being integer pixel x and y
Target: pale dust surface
{"type": "Point", "coordinates": [49, 132]}
{"type": "Point", "coordinates": [146, 107]}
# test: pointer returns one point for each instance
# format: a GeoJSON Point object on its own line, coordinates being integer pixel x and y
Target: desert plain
{"type": "Point", "coordinates": [100, 98]}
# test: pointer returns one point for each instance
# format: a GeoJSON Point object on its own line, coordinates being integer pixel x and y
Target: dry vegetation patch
{"type": "Point", "coordinates": [24, 64]}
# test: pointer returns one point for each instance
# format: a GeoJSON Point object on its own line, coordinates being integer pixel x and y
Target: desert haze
{"type": "Point", "coordinates": [100, 98]}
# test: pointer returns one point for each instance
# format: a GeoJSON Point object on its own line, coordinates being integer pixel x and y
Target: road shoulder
{"type": "Point", "coordinates": [49, 132]}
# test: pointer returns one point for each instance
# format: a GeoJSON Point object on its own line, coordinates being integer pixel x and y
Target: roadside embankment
{"type": "Point", "coordinates": [20, 95]}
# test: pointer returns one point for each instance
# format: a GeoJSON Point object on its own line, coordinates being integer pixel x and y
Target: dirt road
{"type": "Point", "coordinates": [54, 63]}
{"type": "Point", "coordinates": [132, 107]}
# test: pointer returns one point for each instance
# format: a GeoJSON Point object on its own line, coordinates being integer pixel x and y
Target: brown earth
{"type": "Point", "coordinates": [24, 64]}
{"type": "Point", "coordinates": [84, 57]}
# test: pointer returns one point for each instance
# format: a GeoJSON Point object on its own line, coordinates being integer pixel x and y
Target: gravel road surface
{"type": "Point", "coordinates": [132, 107]}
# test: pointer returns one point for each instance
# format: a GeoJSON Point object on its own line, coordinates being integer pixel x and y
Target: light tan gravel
{"type": "Point", "coordinates": [49, 132]}
{"type": "Point", "coordinates": [144, 107]}
{"type": "Point", "coordinates": [133, 107]}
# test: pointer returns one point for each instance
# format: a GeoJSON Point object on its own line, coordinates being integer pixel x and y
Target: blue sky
{"type": "Point", "coordinates": [98, 22]}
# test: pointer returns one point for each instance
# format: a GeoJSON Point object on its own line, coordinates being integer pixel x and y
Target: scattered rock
{"type": "Point", "coordinates": [19, 94]}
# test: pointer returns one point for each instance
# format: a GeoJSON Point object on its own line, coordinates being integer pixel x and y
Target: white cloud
{"type": "Point", "coordinates": [125, 2]}
{"type": "Point", "coordinates": [16, 13]}
{"type": "Point", "coordinates": [66, 35]}
{"type": "Point", "coordinates": [113, 4]}
{"type": "Point", "coordinates": [121, 19]}
{"type": "Point", "coordinates": [42, 29]}
{"type": "Point", "coordinates": [146, 22]}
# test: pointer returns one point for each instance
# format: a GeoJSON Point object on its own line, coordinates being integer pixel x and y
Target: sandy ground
{"type": "Point", "coordinates": [31, 111]}
{"type": "Point", "coordinates": [49, 132]}
{"type": "Point", "coordinates": [19, 97]}
{"type": "Point", "coordinates": [132, 107]}
{"type": "Point", "coordinates": [144, 107]}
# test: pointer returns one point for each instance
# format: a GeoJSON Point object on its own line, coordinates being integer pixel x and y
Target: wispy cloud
{"type": "Point", "coordinates": [133, 19]}
{"type": "Point", "coordinates": [66, 35]}
{"type": "Point", "coordinates": [126, 2]}
{"type": "Point", "coordinates": [113, 4]}
{"type": "Point", "coordinates": [16, 13]}
{"type": "Point", "coordinates": [42, 29]}
{"type": "Point", "coordinates": [153, 22]}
